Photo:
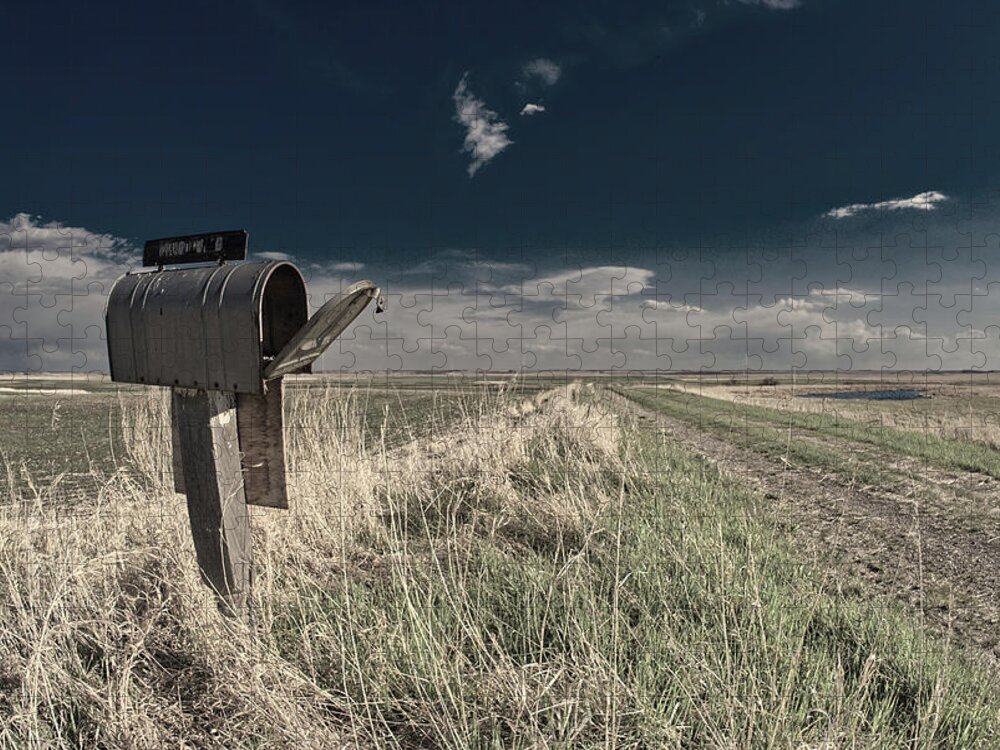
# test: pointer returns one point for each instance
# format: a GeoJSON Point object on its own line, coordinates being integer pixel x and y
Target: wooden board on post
{"type": "Point", "coordinates": [262, 442]}
{"type": "Point", "coordinates": [175, 445]}
{"type": "Point", "coordinates": [213, 481]}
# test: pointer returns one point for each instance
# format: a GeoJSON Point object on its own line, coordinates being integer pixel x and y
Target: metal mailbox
{"type": "Point", "coordinates": [215, 328]}
{"type": "Point", "coordinates": [222, 337]}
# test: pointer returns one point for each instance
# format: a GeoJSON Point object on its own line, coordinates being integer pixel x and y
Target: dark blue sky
{"type": "Point", "coordinates": [329, 130]}
{"type": "Point", "coordinates": [696, 184]}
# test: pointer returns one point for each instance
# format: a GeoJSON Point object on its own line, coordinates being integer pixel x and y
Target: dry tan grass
{"type": "Point", "coordinates": [107, 635]}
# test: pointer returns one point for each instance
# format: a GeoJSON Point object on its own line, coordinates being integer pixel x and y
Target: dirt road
{"type": "Point", "coordinates": [932, 540]}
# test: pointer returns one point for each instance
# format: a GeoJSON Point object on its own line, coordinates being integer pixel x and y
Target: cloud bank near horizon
{"type": "Point", "coordinates": [53, 282]}
{"type": "Point", "coordinates": [457, 310]}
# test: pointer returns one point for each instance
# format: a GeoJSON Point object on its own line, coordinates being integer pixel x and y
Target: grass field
{"type": "Point", "coordinates": [962, 406]}
{"type": "Point", "coordinates": [66, 438]}
{"type": "Point", "coordinates": [501, 563]}
{"type": "Point", "coordinates": [767, 426]}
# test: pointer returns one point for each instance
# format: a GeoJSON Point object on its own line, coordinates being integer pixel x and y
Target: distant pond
{"type": "Point", "coordinates": [893, 394]}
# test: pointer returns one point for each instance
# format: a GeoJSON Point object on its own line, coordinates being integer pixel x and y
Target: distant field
{"type": "Point", "coordinates": [71, 429]}
{"type": "Point", "coordinates": [496, 562]}
{"type": "Point", "coordinates": [954, 405]}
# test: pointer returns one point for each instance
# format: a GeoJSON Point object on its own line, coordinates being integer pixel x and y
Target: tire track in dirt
{"type": "Point", "coordinates": [900, 542]}
{"type": "Point", "coordinates": [961, 495]}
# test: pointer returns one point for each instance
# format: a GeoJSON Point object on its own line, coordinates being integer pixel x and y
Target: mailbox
{"type": "Point", "coordinates": [215, 328]}
{"type": "Point", "coordinates": [222, 337]}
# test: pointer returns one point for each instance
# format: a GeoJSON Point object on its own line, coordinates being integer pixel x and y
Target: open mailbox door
{"type": "Point", "coordinates": [261, 431]}
{"type": "Point", "coordinates": [322, 329]}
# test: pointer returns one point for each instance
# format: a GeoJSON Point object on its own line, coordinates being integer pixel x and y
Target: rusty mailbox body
{"type": "Point", "coordinates": [222, 336]}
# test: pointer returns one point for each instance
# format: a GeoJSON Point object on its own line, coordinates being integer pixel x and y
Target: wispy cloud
{"type": "Point", "coordinates": [926, 201]}
{"type": "Point", "coordinates": [485, 133]}
{"type": "Point", "coordinates": [270, 255]}
{"type": "Point", "coordinates": [344, 267]}
{"type": "Point", "coordinates": [531, 109]}
{"type": "Point", "coordinates": [332, 267]}
{"type": "Point", "coordinates": [774, 4]}
{"type": "Point", "coordinates": [544, 69]}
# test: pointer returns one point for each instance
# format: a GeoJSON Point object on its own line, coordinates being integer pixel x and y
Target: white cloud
{"type": "Point", "coordinates": [53, 285]}
{"type": "Point", "coordinates": [269, 255]}
{"type": "Point", "coordinates": [344, 267]}
{"type": "Point", "coordinates": [321, 267]}
{"type": "Point", "coordinates": [774, 4]}
{"type": "Point", "coordinates": [547, 71]}
{"type": "Point", "coordinates": [926, 201]}
{"type": "Point", "coordinates": [530, 109]}
{"type": "Point", "coordinates": [485, 133]}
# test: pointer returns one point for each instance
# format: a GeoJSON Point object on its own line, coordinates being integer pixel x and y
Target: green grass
{"type": "Point", "coordinates": [713, 416]}
{"type": "Point", "coordinates": [714, 413]}
{"type": "Point", "coordinates": [676, 617]}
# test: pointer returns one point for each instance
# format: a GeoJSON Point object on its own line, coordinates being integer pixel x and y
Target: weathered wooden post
{"type": "Point", "coordinates": [221, 335]}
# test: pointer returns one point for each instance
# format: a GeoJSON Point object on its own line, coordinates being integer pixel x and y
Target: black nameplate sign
{"type": "Point", "coordinates": [196, 248]}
